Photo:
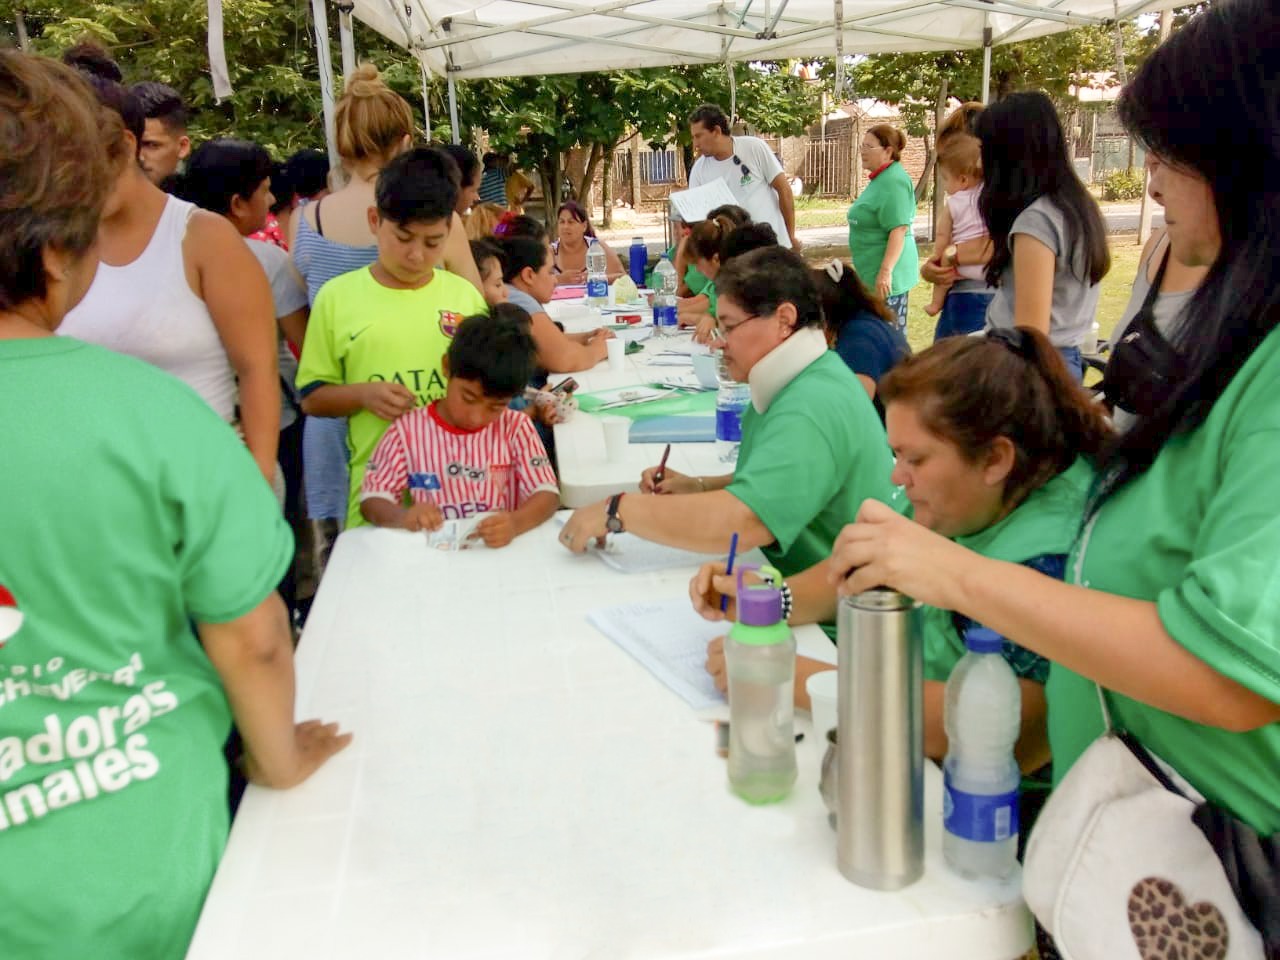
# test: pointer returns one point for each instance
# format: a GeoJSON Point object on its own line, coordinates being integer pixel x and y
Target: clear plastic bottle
{"type": "Point", "coordinates": [665, 283]}
{"type": "Point", "coordinates": [982, 715]}
{"type": "Point", "coordinates": [597, 275]}
{"type": "Point", "coordinates": [760, 655]}
{"type": "Point", "coordinates": [732, 398]}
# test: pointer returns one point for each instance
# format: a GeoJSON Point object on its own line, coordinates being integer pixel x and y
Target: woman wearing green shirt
{"type": "Point", "coordinates": [881, 242]}
{"type": "Point", "coordinates": [812, 444]}
{"type": "Point", "coordinates": [1172, 605]}
{"type": "Point", "coordinates": [987, 433]}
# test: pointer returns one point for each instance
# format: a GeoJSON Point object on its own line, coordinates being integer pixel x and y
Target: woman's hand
{"type": "Point", "coordinates": [705, 332]}
{"type": "Point", "coordinates": [571, 278]}
{"type": "Point", "coordinates": [672, 482]}
{"type": "Point", "coordinates": [882, 548]}
{"type": "Point", "coordinates": [716, 665]}
{"type": "Point", "coordinates": [884, 283]}
{"type": "Point", "coordinates": [708, 587]}
{"type": "Point", "coordinates": [933, 271]}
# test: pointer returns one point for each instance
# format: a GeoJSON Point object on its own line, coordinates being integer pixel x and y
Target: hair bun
{"type": "Point", "coordinates": [364, 82]}
{"type": "Point", "coordinates": [92, 58]}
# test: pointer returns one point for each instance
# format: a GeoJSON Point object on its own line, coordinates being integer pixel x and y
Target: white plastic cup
{"type": "Point", "coordinates": [822, 689]}
{"type": "Point", "coordinates": [617, 348]}
{"type": "Point", "coordinates": [617, 437]}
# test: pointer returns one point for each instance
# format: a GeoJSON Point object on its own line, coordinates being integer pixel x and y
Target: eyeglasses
{"type": "Point", "coordinates": [746, 171]}
{"type": "Point", "coordinates": [723, 332]}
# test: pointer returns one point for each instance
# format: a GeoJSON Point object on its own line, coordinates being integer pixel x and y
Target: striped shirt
{"type": "Point", "coordinates": [464, 472]}
{"type": "Point", "coordinates": [493, 187]}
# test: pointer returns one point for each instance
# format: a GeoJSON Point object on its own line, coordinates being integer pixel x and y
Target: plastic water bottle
{"type": "Point", "coordinates": [760, 655]}
{"type": "Point", "coordinates": [665, 321]}
{"type": "Point", "coordinates": [732, 398]}
{"type": "Point", "coordinates": [980, 776]}
{"type": "Point", "coordinates": [637, 260]}
{"type": "Point", "coordinates": [597, 275]}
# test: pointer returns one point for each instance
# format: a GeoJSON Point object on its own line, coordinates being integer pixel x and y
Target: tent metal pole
{"type": "Point", "coordinates": [733, 92]}
{"type": "Point", "coordinates": [426, 98]}
{"type": "Point", "coordinates": [986, 58]}
{"type": "Point", "coordinates": [324, 65]}
{"type": "Point", "coordinates": [347, 37]}
{"type": "Point", "coordinates": [453, 108]}
{"type": "Point", "coordinates": [839, 91]}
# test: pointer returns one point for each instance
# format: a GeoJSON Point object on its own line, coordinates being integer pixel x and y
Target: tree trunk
{"type": "Point", "coordinates": [23, 44]}
{"type": "Point", "coordinates": [606, 191]}
{"type": "Point", "coordinates": [633, 171]}
{"type": "Point", "coordinates": [686, 154]}
{"type": "Point", "coordinates": [589, 175]}
{"type": "Point", "coordinates": [549, 171]}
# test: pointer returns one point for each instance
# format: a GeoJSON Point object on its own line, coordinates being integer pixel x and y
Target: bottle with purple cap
{"type": "Point", "coordinates": [760, 654]}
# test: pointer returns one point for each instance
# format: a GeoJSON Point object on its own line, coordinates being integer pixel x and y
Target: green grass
{"type": "Point", "coordinates": [1116, 287]}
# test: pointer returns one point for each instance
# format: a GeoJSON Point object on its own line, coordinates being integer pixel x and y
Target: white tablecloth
{"type": "Point", "coordinates": [519, 787]}
{"type": "Point", "coordinates": [586, 474]}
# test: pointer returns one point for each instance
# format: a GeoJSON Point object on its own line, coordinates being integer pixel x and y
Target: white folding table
{"type": "Point", "coordinates": [519, 787]}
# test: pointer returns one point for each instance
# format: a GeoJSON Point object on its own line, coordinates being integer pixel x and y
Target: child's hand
{"type": "Point", "coordinates": [550, 408]}
{"type": "Point", "coordinates": [496, 530]}
{"type": "Point", "coordinates": [422, 516]}
{"type": "Point", "coordinates": [387, 400]}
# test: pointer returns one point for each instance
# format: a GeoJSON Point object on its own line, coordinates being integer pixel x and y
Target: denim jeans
{"type": "Point", "coordinates": [962, 314]}
{"type": "Point", "coordinates": [1075, 364]}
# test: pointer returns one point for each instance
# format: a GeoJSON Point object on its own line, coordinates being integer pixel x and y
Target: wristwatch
{"type": "Point", "coordinates": [613, 522]}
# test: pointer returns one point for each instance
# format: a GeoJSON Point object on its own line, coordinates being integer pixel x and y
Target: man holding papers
{"type": "Point", "coordinates": [748, 167]}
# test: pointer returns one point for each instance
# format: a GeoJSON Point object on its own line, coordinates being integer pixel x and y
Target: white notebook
{"type": "Point", "coordinates": [669, 639]}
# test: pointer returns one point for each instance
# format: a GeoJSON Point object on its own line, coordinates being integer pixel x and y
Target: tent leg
{"type": "Point", "coordinates": [733, 93]}
{"type": "Point", "coordinates": [325, 65]}
{"type": "Point", "coordinates": [453, 110]}
{"type": "Point", "coordinates": [347, 36]}
{"type": "Point", "coordinates": [839, 28]}
{"type": "Point", "coordinates": [986, 63]}
{"type": "Point", "coordinates": [426, 99]}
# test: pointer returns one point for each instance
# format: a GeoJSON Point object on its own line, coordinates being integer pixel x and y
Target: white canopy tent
{"type": "Point", "coordinates": [461, 39]}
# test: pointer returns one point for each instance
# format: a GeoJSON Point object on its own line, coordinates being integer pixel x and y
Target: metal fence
{"type": "Point", "coordinates": [828, 166]}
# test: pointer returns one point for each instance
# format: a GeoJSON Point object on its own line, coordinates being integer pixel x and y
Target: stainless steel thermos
{"type": "Point", "coordinates": [880, 747]}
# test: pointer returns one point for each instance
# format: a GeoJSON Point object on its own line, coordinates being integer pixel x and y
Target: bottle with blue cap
{"type": "Point", "coordinates": [982, 715]}
{"type": "Point", "coordinates": [760, 655]}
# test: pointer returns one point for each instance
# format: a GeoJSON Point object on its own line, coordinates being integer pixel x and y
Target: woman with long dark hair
{"type": "Point", "coordinates": [860, 327]}
{"type": "Point", "coordinates": [1172, 609]}
{"type": "Point", "coordinates": [574, 235]}
{"type": "Point", "coordinates": [1049, 244]}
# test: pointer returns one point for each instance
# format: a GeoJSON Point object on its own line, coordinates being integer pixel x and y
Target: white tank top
{"type": "Point", "coordinates": [147, 310]}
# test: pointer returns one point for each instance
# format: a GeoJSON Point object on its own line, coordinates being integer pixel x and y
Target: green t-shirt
{"type": "Point", "coordinates": [807, 463]}
{"type": "Point", "coordinates": [888, 201]}
{"type": "Point", "coordinates": [1199, 535]}
{"type": "Point", "coordinates": [1045, 524]}
{"type": "Point", "coordinates": [128, 510]}
{"type": "Point", "coordinates": [361, 331]}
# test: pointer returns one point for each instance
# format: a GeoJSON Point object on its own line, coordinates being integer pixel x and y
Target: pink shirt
{"type": "Point", "coordinates": [966, 224]}
{"type": "Point", "coordinates": [463, 472]}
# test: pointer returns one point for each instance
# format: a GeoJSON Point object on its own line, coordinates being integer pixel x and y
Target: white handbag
{"type": "Point", "coordinates": [1116, 869]}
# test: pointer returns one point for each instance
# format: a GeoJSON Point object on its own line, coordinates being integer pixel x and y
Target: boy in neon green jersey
{"type": "Point", "coordinates": [376, 335]}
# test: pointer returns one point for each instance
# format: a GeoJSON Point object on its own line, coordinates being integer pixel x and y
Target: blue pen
{"type": "Point", "coordinates": [733, 553]}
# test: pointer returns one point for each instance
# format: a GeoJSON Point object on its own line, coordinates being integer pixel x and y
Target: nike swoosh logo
{"type": "Point", "coordinates": [358, 332]}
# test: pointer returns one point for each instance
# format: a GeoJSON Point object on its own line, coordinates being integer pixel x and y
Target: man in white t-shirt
{"type": "Point", "coordinates": [750, 169]}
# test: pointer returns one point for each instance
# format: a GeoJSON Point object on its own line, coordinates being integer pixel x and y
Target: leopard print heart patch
{"type": "Point", "coordinates": [1166, 927]}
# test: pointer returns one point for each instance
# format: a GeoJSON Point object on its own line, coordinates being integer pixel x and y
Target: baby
{"type": "Point", "coordinates": [960, 223]}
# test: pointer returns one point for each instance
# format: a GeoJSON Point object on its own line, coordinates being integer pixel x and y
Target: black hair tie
{"type": "Point", "coordinates": [1016, 339]}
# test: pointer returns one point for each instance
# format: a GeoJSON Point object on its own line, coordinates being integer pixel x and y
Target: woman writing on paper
{"type": "Point", "coordinates": [803, 397]}
{"type": "Point", "coordinates": [989, 435]}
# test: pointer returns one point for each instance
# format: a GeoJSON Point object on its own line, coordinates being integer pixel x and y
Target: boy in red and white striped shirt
{"type": "Point", "coordinates": [468, 453]}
